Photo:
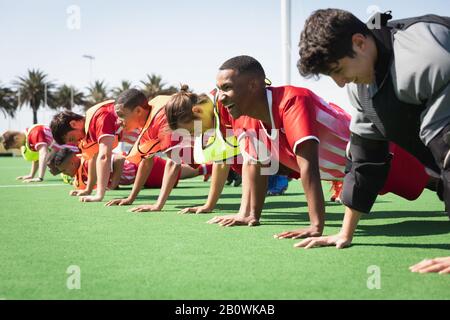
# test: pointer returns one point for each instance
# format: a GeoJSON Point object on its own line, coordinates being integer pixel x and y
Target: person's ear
{"type": "Point", "coordinates": [197, 110]}
{"type": "Point", "coordinates": [359, 42]}
{"type": "Point", "coordinates": [253, 85]}
{"type": "Point", "coordinates": [75, 124]}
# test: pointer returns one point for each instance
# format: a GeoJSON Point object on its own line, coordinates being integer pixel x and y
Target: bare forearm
{"type": "Point", "coordinates": [92, 174]}
{"type": "Point", "coordinates": [43, 153]}
{"type": "Point", "coordinates": [351, 219]}
{"type": "Point", "coordinates": [171, 172]}
{"type": "Point", "coordinates": [103, 166]}
{"type": "Point", "coordinates": [34, 168]}
{"type": "Point", "coordinates": [257, 188]}
{"type": "Point", "coordinates": [117, 173]}
{"type": "Point", "coordinates": [314, 195]}
{"type": "Point", "coordinates": [144, 169]}
{"type": "Point", "coordinates": [218, 178]}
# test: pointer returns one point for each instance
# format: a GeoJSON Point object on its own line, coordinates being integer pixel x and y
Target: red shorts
{"type": "Point", "coordinates": [407, 177]}
{"type": "Point", "coordinates": [155, 177]}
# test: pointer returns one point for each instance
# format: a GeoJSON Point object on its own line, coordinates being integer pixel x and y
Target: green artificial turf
{"type": "Point", "coordinates": [165, 255]}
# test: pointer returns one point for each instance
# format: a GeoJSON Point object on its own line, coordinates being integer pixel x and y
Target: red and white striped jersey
{"type": "Point", "coordinates": [129, 172]}
{"type": "Point", "coordinates": [298, 115]}
{"type": "Point", "coordinates": [130, 136]}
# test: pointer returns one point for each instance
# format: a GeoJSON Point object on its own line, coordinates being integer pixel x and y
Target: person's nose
{"type": "Point", "coordinates": [222, 96]}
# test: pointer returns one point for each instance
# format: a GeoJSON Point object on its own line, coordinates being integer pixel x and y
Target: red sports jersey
{"type": "Point", "coordinates": [104, 123]}
{"type": "Point", "coordinates": [298, 115]}
{"type": "Point", "coordinates": [160, 133]}
{"type": "Point", "coordinates": [129, 171]}
{"type": "Point", "coordinates": [40, 135]}
{"type": "Point", "coordinates": [130, 137]}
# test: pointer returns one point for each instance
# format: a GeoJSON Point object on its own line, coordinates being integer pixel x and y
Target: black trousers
{"type": "Point", "coordinates": [440, 148]}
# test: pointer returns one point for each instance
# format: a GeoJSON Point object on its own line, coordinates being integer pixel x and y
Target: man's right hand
{"type": "Point", "coordinates": [311, 231]}
{"type": "Point", "coordinates": [119, 202]}
{"type": "Point", "coordinates": [339, 241]}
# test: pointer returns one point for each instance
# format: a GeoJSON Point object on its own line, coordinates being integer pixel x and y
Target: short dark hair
{"type": "Point", "coordinates": [327, 38]}
{"type": "Point", "coordinates": [131, 99]}
{"type": "Point", "coordinates": [57, 158]}
{"type": "Point", "coordinates": [179, 107]}
{"type": "Point", "coordinates": [60, 124]}
{"type": "Point", "coordinates": [244, 64]}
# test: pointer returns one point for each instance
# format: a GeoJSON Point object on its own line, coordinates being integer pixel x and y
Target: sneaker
{"type": "Point", "coordinates": [336, 187]}
{"type": "Point", "coordinates": [237, 180]}
{"type": "Point", "coordinates": [206, 177]}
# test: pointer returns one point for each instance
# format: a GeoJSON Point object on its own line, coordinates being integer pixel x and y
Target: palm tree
{"type": "Point", "coordinates": [35, 90]}
{"type": "Point", "coordinates": [154, 86]}
{"type": "Point", "coordinates": [8, 101]}
{"type": "Point", "coordinates": [97, 92]}
{"type": "Point", "coordinates": [124, 85]}
{"type": "Point", "coordinates": [67, 97]}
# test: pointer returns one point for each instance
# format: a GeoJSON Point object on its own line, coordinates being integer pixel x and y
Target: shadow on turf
{"type": "Point", "coordinates": [299, 217]}
{"type": "Point", "coordinates": [414, 228]}
{"type": "Point", "coordinates": [405, 245]}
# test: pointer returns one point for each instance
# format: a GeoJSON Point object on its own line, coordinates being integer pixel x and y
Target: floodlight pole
{"type": "Point", "coordinates": [286, 41]}
{"type": "Point", "coordinates": [91, 59]}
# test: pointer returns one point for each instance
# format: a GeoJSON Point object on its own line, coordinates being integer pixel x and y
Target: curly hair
{"type": "Point", "coordinates": [327, 38]}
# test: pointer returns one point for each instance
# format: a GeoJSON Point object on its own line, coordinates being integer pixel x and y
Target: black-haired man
{"type": "Point", "coordinates": [398, 75]}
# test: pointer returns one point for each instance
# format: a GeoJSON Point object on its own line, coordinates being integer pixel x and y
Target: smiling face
{"type": "Point", "coordinates": [360, 68]}
{"type": "Point", "coordinates": [235, 91]}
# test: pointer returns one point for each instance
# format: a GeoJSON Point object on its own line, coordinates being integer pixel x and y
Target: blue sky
{"type": "Point", "coordinates": [184, 41]}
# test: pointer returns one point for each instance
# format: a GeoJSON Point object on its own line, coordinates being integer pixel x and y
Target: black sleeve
{"type": "Point", "coordinates": [366, 172]}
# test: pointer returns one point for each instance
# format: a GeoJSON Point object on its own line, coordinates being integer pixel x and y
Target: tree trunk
{"type": "Point", "coordinates": [35, 116]}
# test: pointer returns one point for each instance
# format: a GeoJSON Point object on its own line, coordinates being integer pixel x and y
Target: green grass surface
{"type": "Point", "coordinates": [169, 256]}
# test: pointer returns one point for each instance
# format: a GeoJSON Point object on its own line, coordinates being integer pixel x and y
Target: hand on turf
{"type": "Point", "coordinates": [145, 208]}
{"type": "Point", "coordinates": [196, 210]}
{"type": "Point", "coordinates": [300, 233]}
{"type": "Point", "coordinates": [79, 192]}
{"type": "Point", "coordinates": [441, 265]}
{"type": "Point", "coordinates": [234, 220]}
{"type": "Point", "coordinates": [28, 176]}
{"type": "Point", "coordinates": [337, 240]}
{"type": "Point", "coordinates": [119, 202]}
{"type": "Point", "coordinates": [95, 198]}
{"type": "Point", "coordinates": [30, 180]}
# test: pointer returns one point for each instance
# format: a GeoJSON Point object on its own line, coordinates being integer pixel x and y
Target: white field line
{"type": "Point", "coordinates": [29, 185]}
